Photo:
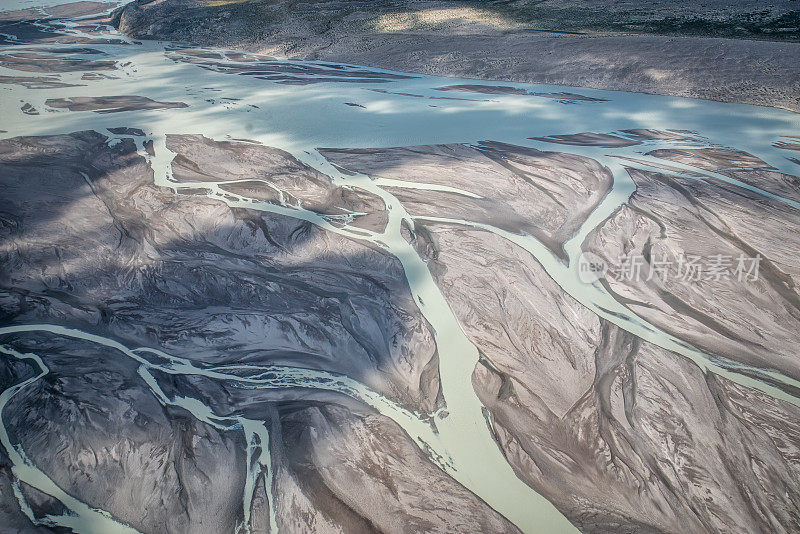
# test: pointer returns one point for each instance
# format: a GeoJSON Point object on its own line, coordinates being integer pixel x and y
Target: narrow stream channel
{"type": "Point", "coordinates": [302, 118]}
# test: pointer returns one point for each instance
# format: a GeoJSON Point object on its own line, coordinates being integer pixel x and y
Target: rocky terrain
{"type": "Point", "coordinates": [135, 258]}
{"type": "Point", "coordinates": [670, 217]}
{"type": "Point", "coordinates": [580, 406]}
{"type": "Point", "coordinates": [137, 262]}
{"type": "Point", "coordinates": [240, 293]}
{"type": "Point", "coordinates": [611, 429]}
{"type": "Point", "coordinates": [522, 190]}
{"type": "Point", "coordinates": [734, 52]}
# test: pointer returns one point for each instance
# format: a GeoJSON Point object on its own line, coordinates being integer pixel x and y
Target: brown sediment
{"type": "Point", "coordinates": [40, 62]}
{"type": "Point", "coordinates": [588, 139]}
{"type": "Point", "coordinates": [111, 104]}
{"type": "Point", "coordinates": [518, 189]}
{"type": "Point", "coordinates": [36, 82]}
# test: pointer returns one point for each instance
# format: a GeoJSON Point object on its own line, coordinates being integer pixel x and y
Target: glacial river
{"type": "Point", "coordinates": [330, 105]}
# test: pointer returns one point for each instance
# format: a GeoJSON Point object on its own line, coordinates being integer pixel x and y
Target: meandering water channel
{"type": "Point", "coordinates": [347, 111]}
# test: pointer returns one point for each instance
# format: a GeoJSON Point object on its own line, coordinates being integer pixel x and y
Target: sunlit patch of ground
{"type": "Point", "coordinates": [216, 3]}
{"type": "Point", "coordinates": [444, 18]}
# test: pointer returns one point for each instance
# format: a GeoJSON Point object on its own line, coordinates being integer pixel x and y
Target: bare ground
{"type": "Point", "coordinates": [681, 51]}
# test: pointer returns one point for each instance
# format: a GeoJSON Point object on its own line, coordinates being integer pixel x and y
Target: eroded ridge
{"type": "Point", "coordinates": [253, 332]}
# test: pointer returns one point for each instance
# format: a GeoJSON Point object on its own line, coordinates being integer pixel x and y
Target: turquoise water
{"type": "Point", "coordinates": [351, 110]}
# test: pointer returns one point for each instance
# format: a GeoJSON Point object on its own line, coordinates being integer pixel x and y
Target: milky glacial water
{"type": "Point", "coordinates": [355, 111]}
{"type": "Point", "coordinates": [42, 5]}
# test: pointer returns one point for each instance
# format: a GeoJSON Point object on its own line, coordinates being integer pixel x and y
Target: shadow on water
{"type": "Point", "coordinates": [89, 243]}
{"type": "Point", "coordinates": [220, 286]}
{"type": "Point", "coordinates": [745, 20]}
{"type": "Point", "coordinates": [751, 20]}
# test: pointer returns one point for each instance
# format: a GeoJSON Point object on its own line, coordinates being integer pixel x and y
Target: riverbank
{"type": "Point", "coordinates": [248, 294]}
{"type": "Point", "coordinates": [511, 41]}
